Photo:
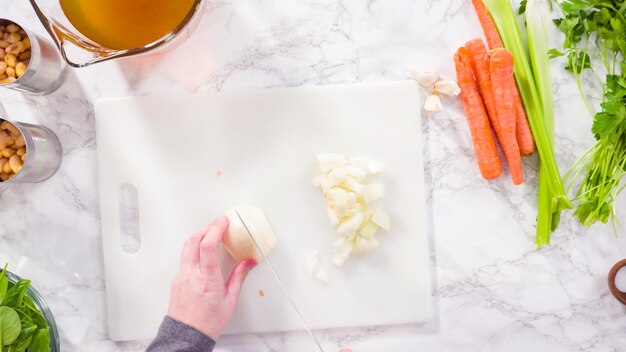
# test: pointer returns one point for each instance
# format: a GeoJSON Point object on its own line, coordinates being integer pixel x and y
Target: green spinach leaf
{"type": "Point", "coordinates": [10, 326]}
{"type": "Point", "coordinates": [40, 342]}
{"type": "Point", "coordinates": [4, 283]}
{"type": "Point", "coordinates": [15, 295]}
{"type": "Point", "coordinates": [25, 338]}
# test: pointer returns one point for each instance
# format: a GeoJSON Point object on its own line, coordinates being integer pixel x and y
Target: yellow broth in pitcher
{"type": "Point", "coordinates": [126, 24]}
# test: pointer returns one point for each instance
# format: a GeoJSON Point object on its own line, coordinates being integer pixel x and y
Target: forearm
{"type": "Point", "coordinates": [175, 336]}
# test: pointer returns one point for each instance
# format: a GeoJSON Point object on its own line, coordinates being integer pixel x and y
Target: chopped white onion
{"type": "Point", "coordinates": [381, 219]}
{"type": "Point", "coordinates": [351, 225]}
{"type": "Point", "coordinates": [355, 171]}
{"type": "Point", "coordinates": [371, 166]}
{"type": "Point", "coordinates": [335, 194]}
{"type": "Point", "coordinates": [330, 161]}
{"type": "Point", "coordinates": [342, 251]}
{"type": "Point", "coordinates": [364, 245]}
{"type": "Point", "coordinates": [373, 192]}
{"type": "Point", "coordinates": [311, 262]}
{"type": "Point", "coordinates": [368, 230]}
{"type": "Point", "coordinates": [350, 184]}
{"type": "Point", "coordinates": [334, 220]}
{"type": "Point", "coordinates": [317, 181]}
{"type": "Point", "coordinates": [322, 275]}
{"type": "Point", "coordinates": [335, 177]}
{"type": "Point", "coordinates": [349, 198]}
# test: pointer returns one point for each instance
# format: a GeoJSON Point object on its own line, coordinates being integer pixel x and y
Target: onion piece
{"type": "Point", "coordinates": [336, 194]}
{"type": "Point", "coordinates": [355, 171]}
{"type": "Point", "coordinates": [373, 192]}
{"type": "Point", "coordinates": [311, 261]}
{"type": "Point", "coordinates": [341, 209]}
{"type": "Point", "coordinates": [381, 219]}
{"type": "Point", "coordinates": [322, 276]}
{"type": "Point", "coordinates": [342, 250]}
{"type": "Point", "coordinates": [317, 181]}
{"type": "Point", "coordinates": [334, 220]}
{"type": "Point", "coordinates": [330, 161]}
{"type": "Point", "coordinates": [351, 184]}
{"type": "Point", "coordinates": [335, 177]}
{"type": "Point", "coordinates": [371, 166]}
{"type": "Point", "coordinates": [351, 225]}
{"type": "Point", "coordinates": [364, 245]}
{"type": "Point", "coordinates": [368, 230]}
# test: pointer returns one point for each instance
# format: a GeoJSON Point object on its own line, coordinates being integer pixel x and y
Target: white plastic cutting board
{"type": "Point", "coordinates": [192, 157]}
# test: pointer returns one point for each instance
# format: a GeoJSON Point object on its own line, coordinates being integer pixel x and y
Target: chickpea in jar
{"type": "Point", "coordinates": [12, 150]}
{"type": "Point", "coordinates": [15, 51]}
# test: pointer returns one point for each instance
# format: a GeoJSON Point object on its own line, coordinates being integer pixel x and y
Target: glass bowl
{"type": "Point", "coordinates": [55, 344]}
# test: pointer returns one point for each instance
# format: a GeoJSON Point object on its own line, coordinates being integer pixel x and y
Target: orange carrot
{"type": "Point", "coordinates": [480, 66]}
{"type": "Point", "coordinates": [491, 33]}
{"type": "Point", "coordinates": [524, 135]}
{"type": "Point", "coordinates": [477, 119]}
{"type": "Point", "coordinates": [502, 85]}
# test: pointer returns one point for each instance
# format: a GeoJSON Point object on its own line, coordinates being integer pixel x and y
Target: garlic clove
{"type": "Point", "coordinates": [425, 78]}
{"type": "Point", "coordinates": [448, 87]}
{"type": "Point", "coordinates": [433, 103]}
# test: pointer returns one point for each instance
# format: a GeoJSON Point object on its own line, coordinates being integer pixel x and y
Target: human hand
{"type": "Point", "coordinates": [199, 297]}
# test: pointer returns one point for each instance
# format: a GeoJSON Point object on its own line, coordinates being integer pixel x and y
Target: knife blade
{"type": "Point", "coordinates": [281, 285]}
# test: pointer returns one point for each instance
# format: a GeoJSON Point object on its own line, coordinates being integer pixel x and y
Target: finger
{"type": "Point", "coordinates": [209, 247]}
{"type": "Point", "coordinates": [191, 250]}
{"type": "Point", "coordinates": [236, 279]}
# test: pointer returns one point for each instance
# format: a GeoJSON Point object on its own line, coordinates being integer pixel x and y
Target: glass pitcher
{"type": "Point", "coordinates": [80, 51]}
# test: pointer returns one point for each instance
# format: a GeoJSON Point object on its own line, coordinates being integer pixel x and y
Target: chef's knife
{"type": "Point", "coordinates": [280, 283]}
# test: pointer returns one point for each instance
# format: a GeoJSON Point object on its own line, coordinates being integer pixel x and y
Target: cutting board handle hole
{"type": "Point", "coordinates": [129, 218]}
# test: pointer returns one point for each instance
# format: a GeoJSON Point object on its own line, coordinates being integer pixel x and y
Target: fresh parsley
{"type": "Point", "coordinates": [595, 46]}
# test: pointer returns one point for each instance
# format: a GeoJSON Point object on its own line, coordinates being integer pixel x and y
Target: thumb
{"type": "Point", "coordinates": [236, 279]}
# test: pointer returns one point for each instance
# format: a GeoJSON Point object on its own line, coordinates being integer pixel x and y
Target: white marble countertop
{"type": "Point", "coordinates": [492, 290]}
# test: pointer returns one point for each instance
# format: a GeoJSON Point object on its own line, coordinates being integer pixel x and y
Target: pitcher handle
{"type": "Point", "coordinates": [64, 42]}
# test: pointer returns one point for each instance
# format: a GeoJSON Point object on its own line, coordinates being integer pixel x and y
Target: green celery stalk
{"type": "Point", "coordinates": [504, 19]}
{"type": "Point", "coordinates": [538, 33]}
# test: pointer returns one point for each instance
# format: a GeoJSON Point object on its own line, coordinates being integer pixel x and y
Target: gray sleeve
{"type": "Point", "coordinates": [175, 336]}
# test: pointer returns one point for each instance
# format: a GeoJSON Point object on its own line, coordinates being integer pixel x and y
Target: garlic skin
{"type": "Point", "coordinates": [448, 87]}
{"type": "Point", "coordinates": [426, 78]}
{"type": "Point", "coordinates": [433, 103]}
